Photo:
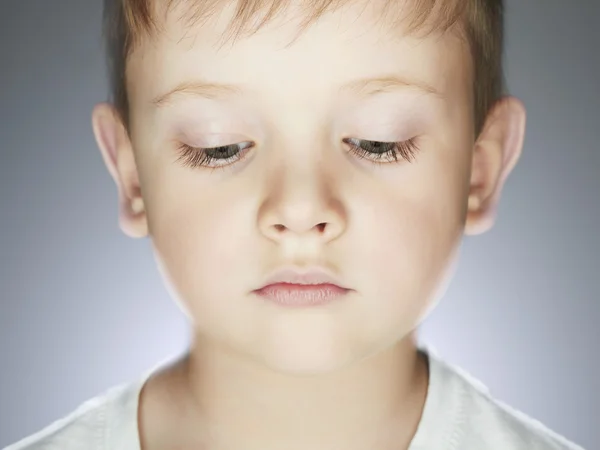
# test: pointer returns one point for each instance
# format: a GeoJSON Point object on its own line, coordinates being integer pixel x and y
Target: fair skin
{"type": "Point", "coordinates": [345, 376]}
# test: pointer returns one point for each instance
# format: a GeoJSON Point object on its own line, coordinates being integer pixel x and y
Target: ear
{"type": "Point", "coordinates": [495, 154]}
{"type": "Point", "coordinates": [117, 153]}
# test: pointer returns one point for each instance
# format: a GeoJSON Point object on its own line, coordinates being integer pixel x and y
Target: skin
{"type": "Point", "coordinates": [345, 376]}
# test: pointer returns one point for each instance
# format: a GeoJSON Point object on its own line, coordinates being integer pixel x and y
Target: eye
{"type": "Point", "coordinates": [214, 157]}
{"type": "Point", "coordinates": [219, 157]}
{"type": "Point", "coordinates": [383, 152]}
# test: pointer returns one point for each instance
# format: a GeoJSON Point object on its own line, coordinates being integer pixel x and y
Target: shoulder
{"type": "Point", "coordinates": [85, 427]}
{"type": "Point", "coordinates": [485, 422]}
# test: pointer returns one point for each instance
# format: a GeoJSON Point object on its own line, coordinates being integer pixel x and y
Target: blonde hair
{"type": "Point", "coordinates": [481, 22]}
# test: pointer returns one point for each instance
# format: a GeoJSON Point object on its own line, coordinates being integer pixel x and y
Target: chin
{"type": "Point", "coordinates": [307, 349]}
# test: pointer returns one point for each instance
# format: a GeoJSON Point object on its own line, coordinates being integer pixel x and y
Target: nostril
{"type": "Point", "coordinates": [279, 228]}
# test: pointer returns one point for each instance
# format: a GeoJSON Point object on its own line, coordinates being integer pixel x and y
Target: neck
{"type": "Point", "coordinates": [376, 403]}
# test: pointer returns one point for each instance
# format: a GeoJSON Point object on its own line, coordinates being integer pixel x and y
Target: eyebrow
{"type": "Point", "coordinates": [362, 87]}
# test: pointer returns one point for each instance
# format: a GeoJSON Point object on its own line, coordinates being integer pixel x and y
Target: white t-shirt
{"type": "Point", "coordinates": [459, 414]}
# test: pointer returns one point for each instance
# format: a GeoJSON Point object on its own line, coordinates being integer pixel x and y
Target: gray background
{"type": "Point", "coordinates": [83, 307]}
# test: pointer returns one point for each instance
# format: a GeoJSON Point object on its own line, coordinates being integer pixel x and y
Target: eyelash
{"type": "Point", "coordinates": [201, 157]}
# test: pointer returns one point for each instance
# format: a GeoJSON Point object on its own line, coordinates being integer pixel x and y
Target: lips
{"type": "Point", "coordinates": [290, 287]}
{"type": "Point", "coordinates": [298, 278]}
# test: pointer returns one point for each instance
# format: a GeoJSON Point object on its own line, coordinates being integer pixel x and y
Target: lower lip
{"type": "Point", "coordinates": [301, 295]}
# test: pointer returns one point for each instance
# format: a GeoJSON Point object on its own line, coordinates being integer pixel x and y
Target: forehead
{"type": "Point", "coordinates": [352, 40]}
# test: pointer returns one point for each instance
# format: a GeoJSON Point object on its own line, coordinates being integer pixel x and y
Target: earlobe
{"type": "Point", "coordinates": [117, 153]}
{"type": "Point", "coordinates": [495, 155]}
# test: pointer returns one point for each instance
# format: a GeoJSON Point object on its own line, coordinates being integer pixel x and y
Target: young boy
{"type": "Point", "coordinates": [356, 142]}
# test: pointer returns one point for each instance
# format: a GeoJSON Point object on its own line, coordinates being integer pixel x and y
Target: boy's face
{"type": "Point", "coordinates": [391, 229]}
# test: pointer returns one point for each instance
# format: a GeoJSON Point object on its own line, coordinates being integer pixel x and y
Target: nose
{"type": "Point", "coordinates": [294, 220]}
{"type": "Point", "coordinates": [302, 203]}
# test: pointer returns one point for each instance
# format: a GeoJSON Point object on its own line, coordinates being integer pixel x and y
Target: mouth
{"type": "Point", "coordinates": [293, 288]}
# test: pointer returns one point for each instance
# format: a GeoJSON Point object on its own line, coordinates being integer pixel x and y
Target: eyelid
{"type": "Point", "coordinates": [214, 140]}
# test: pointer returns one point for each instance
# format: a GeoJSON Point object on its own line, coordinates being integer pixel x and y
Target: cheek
{"type": "Point", "coordinates": [202, 248]}
{"type": "Point", "coordinates": [411, 235]}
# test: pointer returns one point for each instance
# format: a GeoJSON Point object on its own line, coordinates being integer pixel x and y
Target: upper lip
{"type": "Point", "coordinates": [314, 275]}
